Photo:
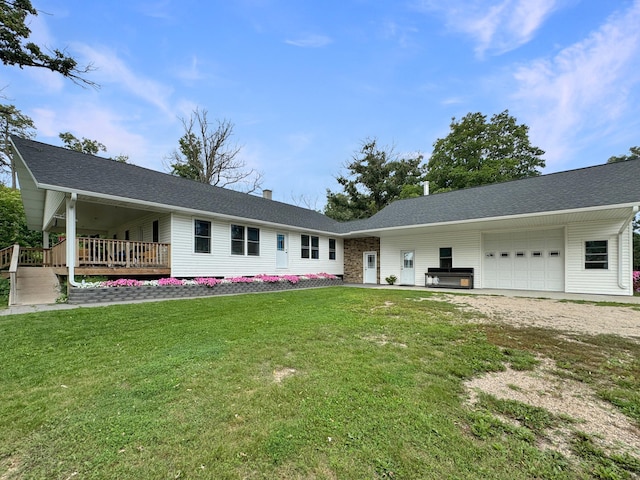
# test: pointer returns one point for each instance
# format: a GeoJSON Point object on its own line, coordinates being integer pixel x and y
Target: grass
{"type": "Point", "coordinates": [327, 383]}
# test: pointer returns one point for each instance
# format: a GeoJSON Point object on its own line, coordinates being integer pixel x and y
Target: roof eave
{"type": "Point", "coordinates": [179, 209]}
{"type": "Point", "coordinates": [493, 219]}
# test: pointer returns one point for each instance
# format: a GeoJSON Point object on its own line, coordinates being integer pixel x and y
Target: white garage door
{"type": "Point", "coordinates": [532, 260]}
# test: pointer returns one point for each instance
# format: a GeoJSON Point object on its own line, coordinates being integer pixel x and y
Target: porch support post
{"type": "Point", "coordinates": [71, 238]}
{"type": "Point", "coordinates": [45, 239]}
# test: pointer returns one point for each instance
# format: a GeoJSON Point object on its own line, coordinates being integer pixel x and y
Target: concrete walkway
{"type": "Point", "coordinates": [19, 309]}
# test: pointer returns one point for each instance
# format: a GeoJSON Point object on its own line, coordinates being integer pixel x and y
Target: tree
{"type": "Point", "coordinates": [12, 122]}
{"type": "Point", "coordinates": [13, 223]}
{"type": "Point", "coordinates": [633, 155]}
{"type": "Point", "coordinates": [204, 155]}
{"type": "Point", "coordinates": [15, 49]}
{"type": "Point", "coordinates": [88, 146]}
{"type": "Point", "coordinates": [377, 176]}
{"type": "Point", "coordinates": [477, 152]}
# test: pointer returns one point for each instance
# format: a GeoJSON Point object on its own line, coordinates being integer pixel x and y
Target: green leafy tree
{"type": "Point", "coordinates": [88, 146]}
{"type": "Point", "coordinates": [634, 154]}
{"type": "Point", "coordinates": [13, 223]}
{"type": "Point", "coordinates": [479, 152]}
{"type": "Point", "coordinates": [12, 122]}
{"type": "Point", "coordinates": [16, 49]}
{"type": "Point", "coordinates": [376, 177]}
{"type": "Point", "coordinates": [205, 154]}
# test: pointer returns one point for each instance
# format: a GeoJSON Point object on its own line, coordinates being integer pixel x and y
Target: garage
{"type": "Point", "coordinates": [529, 260]}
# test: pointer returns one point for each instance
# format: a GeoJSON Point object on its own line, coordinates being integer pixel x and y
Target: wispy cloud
{"type": "Point", "coordinates": [310, 41]}
{"type": "Point", "coordinates": [111, 69]}
{"type": "Point", "coordinates": [496, 27]}
{"type": "Point", "coordinates": [192, 72]}
{"type": "Point", "coordinates": [92, 121]}
{"type": "Point", "coordinates": [576, 94]}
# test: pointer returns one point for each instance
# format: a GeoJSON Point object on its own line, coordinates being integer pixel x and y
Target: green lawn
{"type": "Point", "coordinates": [336, 383]}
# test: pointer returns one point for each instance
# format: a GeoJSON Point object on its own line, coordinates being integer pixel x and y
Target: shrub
{"type": "Point", "coordinates": [636, 281]}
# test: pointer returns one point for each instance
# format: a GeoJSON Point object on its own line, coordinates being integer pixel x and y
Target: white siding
{"type": "Point", "coordinates": [524, 260]}
{"type": "Point", "coordinates": [581, 280]}
{"type": "Point", "coordinates": [141, 229]}
{"type": "Point", "coordinates": [221, 263]}
{"type": "Point", "coordinates": [52, 201]}
{"type": "Point", "coordinates": [466, 253]}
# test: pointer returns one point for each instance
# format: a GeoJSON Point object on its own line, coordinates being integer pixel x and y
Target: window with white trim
{"type": "Point", "coordinates": [202, 236]}
{"type": "Point", "coordinates": [332, 249]}
{"type": "Point", "coordinates": [446, 257]}
{"type": "Point", "coordinates": [310, 246]}
{"type": "Point", "coordinates": [596, 255]}
{"type": "Point", "coordinates": [245, 240]}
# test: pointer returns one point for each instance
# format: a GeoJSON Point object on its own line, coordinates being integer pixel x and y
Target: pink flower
{"type": "Point", "coordinates": [122, 282]}
{"type": "Point", "coordinates": [208, 281]}
{"type": "Point", "coordinates": [170, 281]}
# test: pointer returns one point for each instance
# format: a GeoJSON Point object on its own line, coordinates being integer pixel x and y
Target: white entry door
{"type": "Point", "coordinates": [407, 270]}
{"type": "Point", "coordinates": [282, 260]}
{"type": "Point", "coordinates": [370, 267]}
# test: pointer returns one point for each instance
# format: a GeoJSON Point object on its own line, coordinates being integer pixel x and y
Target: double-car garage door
{"type": "Point", "coordinates": [531, 260]}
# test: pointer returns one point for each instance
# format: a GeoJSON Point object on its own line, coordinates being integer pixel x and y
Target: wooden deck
{"type": "Point", "coordinates": [98, 256]}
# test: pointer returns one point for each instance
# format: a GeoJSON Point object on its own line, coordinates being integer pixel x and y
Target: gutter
{"type": "Point", "coordinates": [623, 227]}
{"type": "Point", "coordinates": [71, 238]}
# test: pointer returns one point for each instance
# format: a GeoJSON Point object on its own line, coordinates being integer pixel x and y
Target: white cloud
{"type": "Point", "coordinates": [192, 72]}
{"type": "Point", "coordinates": [496, 27]}
{"type": "Point", "coordinates": [93, 122]}
{"type": "Point", "coordinates": [310, 41]}
{"type": "Point", "coordinates": [111, 69]}
{"type": "Point", "coordinates": [579, 94]}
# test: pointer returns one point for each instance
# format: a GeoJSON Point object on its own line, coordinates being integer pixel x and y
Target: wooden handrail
{"type": "Point", "coordinates": [102, 252]}
{"type": "Point", "coordinates": [5, 257]}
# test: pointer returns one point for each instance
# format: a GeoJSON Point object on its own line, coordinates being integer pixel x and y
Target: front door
{"type": "Point", "coordinates": [370, 267]}
{"type": "Point", "coordinates": [407, 270]}
{"type": "Point", "coordinates": [282, 260]}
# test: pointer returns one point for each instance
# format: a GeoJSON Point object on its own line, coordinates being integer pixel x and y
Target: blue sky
{"type": "Point", "coordinates": [305, 82]}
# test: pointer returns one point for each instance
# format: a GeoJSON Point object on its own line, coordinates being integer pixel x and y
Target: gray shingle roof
{"type": "Point", "coordinates": [69, 170]}
{"type": "Point", "coordinates": [602, 185]}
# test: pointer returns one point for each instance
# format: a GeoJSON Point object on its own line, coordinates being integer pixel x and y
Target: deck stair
{"type": "Point", "coordinates": [36, 286]}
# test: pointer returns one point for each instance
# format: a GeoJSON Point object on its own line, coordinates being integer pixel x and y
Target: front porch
{"type": "Point", "coordinates": [95, 256]}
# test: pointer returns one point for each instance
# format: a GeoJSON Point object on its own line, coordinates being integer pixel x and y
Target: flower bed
{"type": "Point", "coordinates": [636, 282]}
{"type": "Point", "coordinates": [125, 289]}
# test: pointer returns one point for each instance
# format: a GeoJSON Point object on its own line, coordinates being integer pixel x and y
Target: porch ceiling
{"type": "Point", "coordinates": [93, 218]}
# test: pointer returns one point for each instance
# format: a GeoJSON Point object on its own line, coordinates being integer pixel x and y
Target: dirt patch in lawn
{"type": "Point", "coordinates": [611, 430]}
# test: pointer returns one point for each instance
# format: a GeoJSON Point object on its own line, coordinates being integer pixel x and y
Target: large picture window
{"type": "Point", "coordinates": [202, 236]}
{"type": "Point", "coordinates": [245, 239]}
{"type": "Point", "coordinates": [596, 255]}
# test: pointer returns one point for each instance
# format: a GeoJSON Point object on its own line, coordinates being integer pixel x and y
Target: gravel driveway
{"type": "Point", "coordinates": [612, 431]}
{"type": "Point", "coordinates": [568, 316]}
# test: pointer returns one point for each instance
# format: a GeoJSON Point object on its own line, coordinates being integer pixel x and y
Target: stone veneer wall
{"type": "Point", "coordinates": [354, 248]}
{"type": "Point", "coordinates": [124, 294]}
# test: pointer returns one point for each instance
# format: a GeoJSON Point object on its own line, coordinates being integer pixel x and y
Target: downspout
{"type": "Point", "coordinates": [71, 238]}
{"type": "Point", "coordinates": [624, 226]}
